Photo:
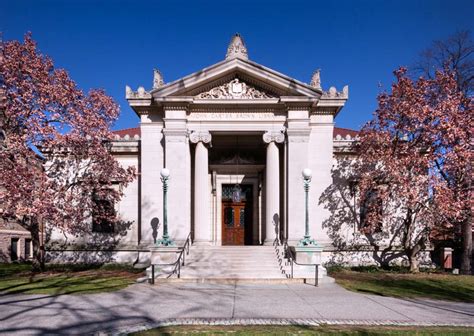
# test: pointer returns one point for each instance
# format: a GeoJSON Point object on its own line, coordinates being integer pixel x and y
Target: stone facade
{"type": "Point", "coordinates": [235, 123]}
{"type": "Point", "coordinates": [238, 98]}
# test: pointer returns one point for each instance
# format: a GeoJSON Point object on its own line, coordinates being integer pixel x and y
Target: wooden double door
{"type": "Point", "coordinates": [236, 215]}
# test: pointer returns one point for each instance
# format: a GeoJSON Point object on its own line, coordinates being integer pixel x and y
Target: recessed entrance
{"type": "Point", "coordinates": [237, 215]}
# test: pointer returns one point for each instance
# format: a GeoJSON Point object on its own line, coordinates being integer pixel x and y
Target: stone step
{"type": "Point", "coordinates": [232, 277]}
{"type": "Point", "coordinates": [232, 253]}
{"type": "Point", "coordinates": [231, 267]}
{"type": "Point", "coordinates": [229, 260]}
{"type": "Point", "coordinates": [232, 262]}
{"type": "Point", "coordinates": [230, 256]}
{"type": "Point", "coordinates": [230, 280]}
{"type": "Point", "coordinates": [230, 274]}
{"type": "Point", "coordinates": [246, 253]}
{"type": "Point", "coordinates": [241, 247]}
{"type": "Point", "coordinates": [200, 263]}
{"type": "Point", "coordinates": [242, 275]}
{"type": "Point", "coordinates": [233, 270]}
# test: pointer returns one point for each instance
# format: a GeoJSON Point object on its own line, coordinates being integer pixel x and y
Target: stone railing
{"type": "Point", "coordinates": [333, 93]}
{"type": "Point", "coordinates": [126, 137]}
{"type": "Point", "coordinates": [141, 93]}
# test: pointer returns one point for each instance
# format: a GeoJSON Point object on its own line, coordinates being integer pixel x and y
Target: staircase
{"type": "Point", "coordinates": [230, 264]}
{"type": "Point", "coordinates": [208, 263]}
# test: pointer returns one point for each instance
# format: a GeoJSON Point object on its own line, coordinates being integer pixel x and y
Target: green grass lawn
{"type": "Point", "coordinates": [66, 279]}
{"type": "Point", "coordinates": [440, 286]}
{"type": "Point", "coordinates": [303, 330]}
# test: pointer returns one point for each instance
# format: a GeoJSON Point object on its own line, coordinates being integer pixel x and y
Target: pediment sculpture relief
{"type": "Point", "coordinates": [235, 89]}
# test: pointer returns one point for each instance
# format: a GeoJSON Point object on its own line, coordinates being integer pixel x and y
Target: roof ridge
{"type": "Point", "coordinates": [345, 128]}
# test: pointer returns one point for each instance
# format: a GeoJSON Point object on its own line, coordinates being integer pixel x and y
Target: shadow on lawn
{"type": "Point", "coordinates": [66, 284]}
{"type": "Point", "coordinates": [417, 288]}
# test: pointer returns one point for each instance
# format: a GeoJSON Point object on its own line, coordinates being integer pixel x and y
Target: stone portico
{"type": "Point", "coordinates": [235, 124]}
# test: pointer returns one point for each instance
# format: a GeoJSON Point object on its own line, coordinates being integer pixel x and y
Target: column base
{"type": "Point", "coordinates": [270, 242]}
{"type": "Point", "coordinates": [203, 243]}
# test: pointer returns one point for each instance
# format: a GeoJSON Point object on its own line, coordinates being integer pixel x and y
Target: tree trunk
{"type": "Point", "coordinates": [413, 255]}
{"type": "Point", "coordinates": [38, 249]}
{"type": "Point", "coordinates": [414, 265]}
{"type": "Point", "coordinates": [466, 248]}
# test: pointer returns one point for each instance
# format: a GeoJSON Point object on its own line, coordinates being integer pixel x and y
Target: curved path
{"type": "Point", "coordinates": [141, 306]}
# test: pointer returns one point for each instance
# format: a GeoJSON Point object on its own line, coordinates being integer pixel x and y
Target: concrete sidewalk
{"type": "Point", "coordinates": [142, 305]}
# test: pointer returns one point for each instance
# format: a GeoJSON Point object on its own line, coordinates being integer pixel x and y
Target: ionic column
{"type": "Point", "coordinates": [202, 223]}
{"type": "Point", "coordinates": [272, 186]}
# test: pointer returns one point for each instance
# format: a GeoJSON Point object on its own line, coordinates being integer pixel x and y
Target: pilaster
{"type": "Point", "coordinates": [178, 161]}
{"type": "Point", "coordinates": [202, 222]}
{"type": "Point", "coordinates": [298, 133]}
{"type": "Point", "coordinates": [320, 161]}
{"type": "Point", "coordinates": [151, 161]}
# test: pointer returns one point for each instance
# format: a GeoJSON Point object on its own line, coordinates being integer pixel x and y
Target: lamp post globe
{"type": "Point", "coordinates": [165, 172]}
{"type": "Point", "coordinates": [307, 173]}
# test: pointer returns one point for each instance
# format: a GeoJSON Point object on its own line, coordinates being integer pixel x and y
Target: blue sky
{"type": "Point", "coordinates": [110, 44]}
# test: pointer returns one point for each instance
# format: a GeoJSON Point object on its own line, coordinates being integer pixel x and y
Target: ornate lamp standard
{"type": "Point", "coordinates": [165, 240]}
{"type": "Point", "coordinates": [306, 241]}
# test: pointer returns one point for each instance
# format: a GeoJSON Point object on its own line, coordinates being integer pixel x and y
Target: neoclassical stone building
{"type": "Point", "coordinates": [235, 137]}
{"type": "Point", "coordinates": [235, 124]}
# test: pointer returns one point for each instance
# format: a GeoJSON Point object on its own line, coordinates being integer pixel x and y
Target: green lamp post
{"type": "Point", "coordinates": [165, 240]}
{"type": "Point", "coordinates": [307, 241]}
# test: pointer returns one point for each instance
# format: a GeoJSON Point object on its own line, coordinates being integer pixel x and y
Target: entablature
{"type": "Point", "coordinates": [125, 145]}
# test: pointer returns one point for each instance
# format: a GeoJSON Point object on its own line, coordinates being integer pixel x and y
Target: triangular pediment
{"type": "Point", "coordinates": [236, 79]}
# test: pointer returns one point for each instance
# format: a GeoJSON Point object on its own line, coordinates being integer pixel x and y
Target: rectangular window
{"type": "Point", "coordinates": [371, 207]}
{"type": "Point", "coordinates": [14, 249]}
{"type": "Point", "coordinates": [28, 249]}
{"type": "Point", "coordinates": [102, 215]}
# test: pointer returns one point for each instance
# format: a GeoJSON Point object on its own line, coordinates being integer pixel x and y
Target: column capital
{"type": "Point", "coordinates": [274, 136]}
{"type": "Point", "coordinates": [200, 136]}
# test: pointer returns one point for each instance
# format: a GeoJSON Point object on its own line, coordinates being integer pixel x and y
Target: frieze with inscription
{"type": "Point", "coordinates": [231, 116]}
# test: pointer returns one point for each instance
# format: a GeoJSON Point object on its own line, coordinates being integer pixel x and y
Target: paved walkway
{"type": "Point", "coordinates": [141, 306]}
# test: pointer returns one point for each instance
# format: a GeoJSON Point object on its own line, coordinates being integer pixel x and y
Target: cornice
{"type": "Point", "coordinates": [298, 103]}
{"type": "Point", "coordinates": [171, 132]}
{"type": "Point", "coordinates": [125, 145]}
{"type": "Point", "coordinates": [298, 132]}
{"type": "Point", "coordinates": [175, 106]}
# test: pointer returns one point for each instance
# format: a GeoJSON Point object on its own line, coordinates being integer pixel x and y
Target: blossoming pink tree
{"type": "Point", "coordinates": [451, 149]}
{"type": "Point", "coordinates": [414, 171]}
{"type": "Point", "coordinates": [56, 156]}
